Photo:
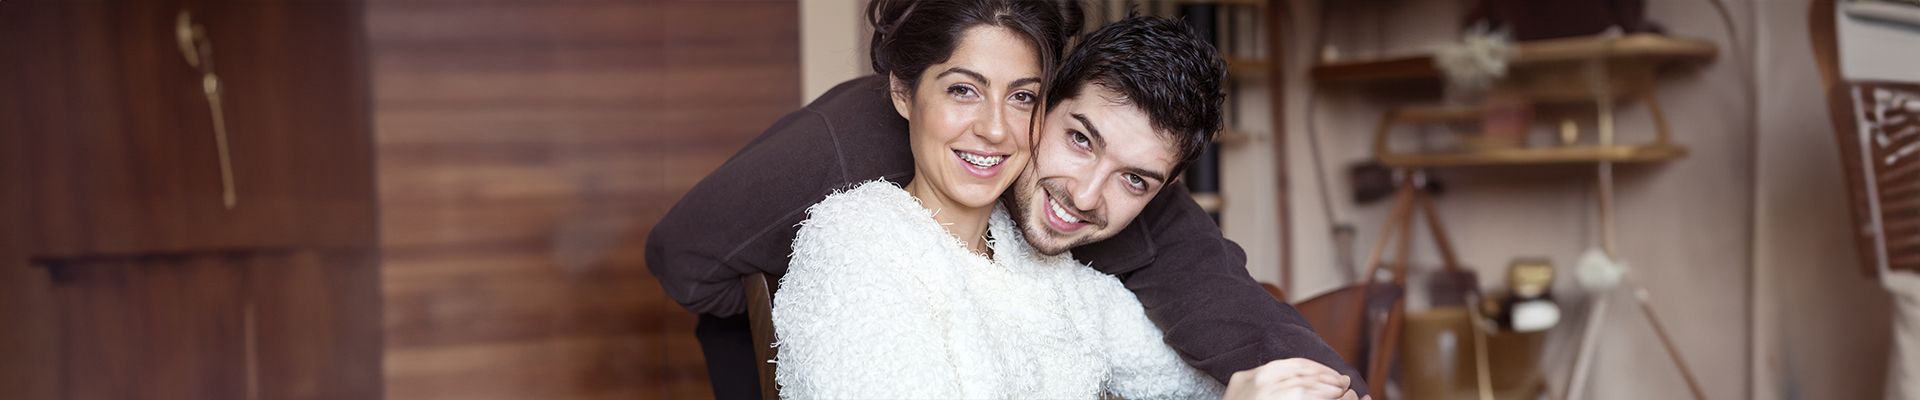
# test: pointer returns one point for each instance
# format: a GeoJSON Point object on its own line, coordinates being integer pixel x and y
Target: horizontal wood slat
{"type": "Point", "coordinates": [525, 149]}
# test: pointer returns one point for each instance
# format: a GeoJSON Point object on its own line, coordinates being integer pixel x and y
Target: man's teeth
{"type": "Point", "coordinates": [1061, 212]}
{"type": "Point", "coordinates": [980, 160]}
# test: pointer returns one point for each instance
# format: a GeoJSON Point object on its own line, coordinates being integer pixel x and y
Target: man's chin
{"type": "Point", "coordinates": [1051, 250]}
{"type": "Point", "coordinates": [1045, 242]}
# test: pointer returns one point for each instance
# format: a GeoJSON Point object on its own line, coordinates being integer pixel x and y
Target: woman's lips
{"type": "Point", "coordinates": [980, 165]}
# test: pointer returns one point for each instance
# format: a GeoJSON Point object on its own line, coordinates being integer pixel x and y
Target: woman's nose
{"type": "Point", "coordinates": [993, 126]}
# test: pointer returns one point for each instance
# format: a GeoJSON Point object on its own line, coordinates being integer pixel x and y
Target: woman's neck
{"type": "Point", "coordinates": [969, 224]}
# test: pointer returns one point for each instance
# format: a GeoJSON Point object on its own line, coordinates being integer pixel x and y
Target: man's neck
{"type": "Point", "coordinates": [969, 224]}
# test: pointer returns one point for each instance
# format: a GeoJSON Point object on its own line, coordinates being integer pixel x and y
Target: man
{"type": "Point", "coordinates": [1133, 106]}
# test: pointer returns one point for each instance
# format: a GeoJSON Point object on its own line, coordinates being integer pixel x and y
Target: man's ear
{"type": "Point", "coordinates": [901, 94]}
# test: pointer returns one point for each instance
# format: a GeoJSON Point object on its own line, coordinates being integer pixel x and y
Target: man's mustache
{"type": "Point", "coordinates": [1065, 199]}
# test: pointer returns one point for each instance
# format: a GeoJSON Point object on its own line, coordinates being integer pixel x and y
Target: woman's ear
{"type": "Point", "coordinates": [901, 94]}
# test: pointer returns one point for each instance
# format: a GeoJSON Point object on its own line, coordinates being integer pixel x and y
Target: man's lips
{"type": "Point", "coordinates": [1060, 217]}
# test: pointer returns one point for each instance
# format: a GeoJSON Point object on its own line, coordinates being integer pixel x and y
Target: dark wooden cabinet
{"type": "Point", "coordinates": [132, 275]}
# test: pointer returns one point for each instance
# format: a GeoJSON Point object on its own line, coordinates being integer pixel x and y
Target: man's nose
{"type": "Point", "coordinates": [1089, 196]}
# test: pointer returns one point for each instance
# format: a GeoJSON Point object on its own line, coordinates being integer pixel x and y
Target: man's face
{"type": "Point", "coordinates": [1096, 164]}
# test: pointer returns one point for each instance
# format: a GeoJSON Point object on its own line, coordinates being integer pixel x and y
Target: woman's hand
{"type": "Point", "coordinates": [1289, 379]}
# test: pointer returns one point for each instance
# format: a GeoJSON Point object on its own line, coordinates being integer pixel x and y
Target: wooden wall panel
{"type": "Point", "coordinates": [525, 149]}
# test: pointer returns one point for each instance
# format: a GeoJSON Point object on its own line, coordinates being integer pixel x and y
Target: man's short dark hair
{"type": "Point", "coordinates": [1159, 65]}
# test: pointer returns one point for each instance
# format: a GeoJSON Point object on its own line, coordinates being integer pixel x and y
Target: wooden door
{"type": "Point", "coordinates": [126, 156]}
{"type": "Point", "coordinates": [129, 273]}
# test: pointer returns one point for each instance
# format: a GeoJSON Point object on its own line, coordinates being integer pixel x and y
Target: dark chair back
{"type": "Point", "coordinates": [759, 290]}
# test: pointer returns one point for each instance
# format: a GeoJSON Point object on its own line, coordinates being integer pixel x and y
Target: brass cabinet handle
{"type": "Point", "coordinates": [198, 50]}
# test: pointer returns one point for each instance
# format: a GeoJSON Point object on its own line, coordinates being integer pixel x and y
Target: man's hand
{"type": "Point", "coordinates": [1289, 379]}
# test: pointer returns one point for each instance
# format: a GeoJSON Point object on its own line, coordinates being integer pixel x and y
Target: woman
{"type": "Point", "coordinates": [927, 290]}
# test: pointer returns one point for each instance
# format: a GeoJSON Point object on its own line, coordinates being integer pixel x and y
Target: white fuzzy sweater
{"type": "Point", "coordinates": [879, 302]}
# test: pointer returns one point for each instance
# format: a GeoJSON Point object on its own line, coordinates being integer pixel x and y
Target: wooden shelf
{"type": "Point", "coordinates": [1232, 136]}
{"type": "Point", "coordinates": [1538, 155]}
{"type": "Point", "coordinates": [1229, 2]}
{"type": "Point", "coordinates": [1641, 48]}
{"type": "Point", "coordinates": [1210, 202]}
{"type": "Point", "coordinates": [1246, 68]}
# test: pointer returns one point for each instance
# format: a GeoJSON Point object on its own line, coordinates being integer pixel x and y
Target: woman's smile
{"type": "Point", "coordinates": [984, 165]}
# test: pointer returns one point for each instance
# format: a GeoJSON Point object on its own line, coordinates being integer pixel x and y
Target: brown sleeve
{"type": "Point", "coordinates": [742, 218]}
{"type": "Point", "coordinates": [1195, 286]}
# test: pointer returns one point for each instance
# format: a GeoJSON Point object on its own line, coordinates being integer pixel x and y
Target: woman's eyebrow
{"type": "Point", "coordinates": [976, 75]}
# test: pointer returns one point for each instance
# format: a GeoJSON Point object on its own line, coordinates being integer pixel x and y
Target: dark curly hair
{"type": "Point", "coordinates": [1159, 65]}
{"type": "Point", "coordinates": [911, 35]}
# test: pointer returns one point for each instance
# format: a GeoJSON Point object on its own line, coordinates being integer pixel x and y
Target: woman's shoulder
{"type": "Point", "coordinates": [877, 204]}
{"type": "Point", "coordinates": [866, 221]}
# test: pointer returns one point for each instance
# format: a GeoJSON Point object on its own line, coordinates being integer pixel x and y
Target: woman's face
{"type": "Point", "coordinates": [970, 117]}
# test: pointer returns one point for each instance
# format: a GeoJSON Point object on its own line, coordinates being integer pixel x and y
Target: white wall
{"type": "Point", "coordinates": [1821, 327]}
{"type": "Point", "coordinates": [1685, 226]}
{"type": "Point", "coordinates": [833, 37]}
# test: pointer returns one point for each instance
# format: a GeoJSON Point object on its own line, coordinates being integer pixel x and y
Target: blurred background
{"type": "Point", "coordinates": [428, 199]}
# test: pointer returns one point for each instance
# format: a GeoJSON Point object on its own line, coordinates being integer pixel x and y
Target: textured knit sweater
{"type": "Point", "coordinates": [880, 302]}
{"type": "Point", "coordinates": [743, 218]}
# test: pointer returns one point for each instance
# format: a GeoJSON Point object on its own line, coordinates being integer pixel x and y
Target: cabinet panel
{"type": "Point", "coordinates": [231, 325]}
{"type": "Point", "coordinates": [154, 328]}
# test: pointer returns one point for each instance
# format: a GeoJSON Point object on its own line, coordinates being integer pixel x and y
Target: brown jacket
{"type": "Point", "coordinates": [742, 219]}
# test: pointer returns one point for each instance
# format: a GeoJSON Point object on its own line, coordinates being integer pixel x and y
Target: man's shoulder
{"type": "Point", "coordinates": [859, 105]}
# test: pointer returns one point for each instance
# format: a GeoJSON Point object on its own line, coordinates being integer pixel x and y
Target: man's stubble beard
{"type": "Point", "coordinates": [1017, 199]}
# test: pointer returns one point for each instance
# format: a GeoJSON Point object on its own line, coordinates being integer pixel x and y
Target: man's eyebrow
{"type": "Point", "coordinates": [1154, 175]}
{"type": "Point", "coordinates": [1101, 142]}
{"type": "Point", "coordinates": [976, 75]}
{"type": "Point", "coordinates": [1092, 132]}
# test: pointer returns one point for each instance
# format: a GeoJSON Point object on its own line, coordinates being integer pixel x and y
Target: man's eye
{"type": "Point", "coordinates": [1136, 181]}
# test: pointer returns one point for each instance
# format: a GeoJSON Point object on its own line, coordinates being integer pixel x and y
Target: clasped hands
{"type": "Point", "coordinates": [1290, 379]}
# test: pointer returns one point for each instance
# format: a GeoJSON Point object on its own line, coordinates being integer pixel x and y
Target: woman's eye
{"type": "Point", "coordinates": [957, 90]}
{"type": "Point", "coordinates": [1079, 138]}
{"type": "Point", "coordinates": [1023, 97]}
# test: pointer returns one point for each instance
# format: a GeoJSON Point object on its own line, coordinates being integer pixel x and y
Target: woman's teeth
{"type": "Point", "coordinates": [1061, 212]}
{"type": "Point", "coordinates": [980, 160]}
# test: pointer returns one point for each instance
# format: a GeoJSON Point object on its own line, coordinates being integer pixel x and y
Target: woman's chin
{"type": "Point", "coordinates": [979, 195]}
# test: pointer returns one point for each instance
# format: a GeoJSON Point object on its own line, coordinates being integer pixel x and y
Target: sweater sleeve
{"type": "Point", "coordinates": [1141, 366]}
{"type": "Point", "coordinates": [851, 318]}
{"type": "Point", "coordinates": [1195, 287]}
